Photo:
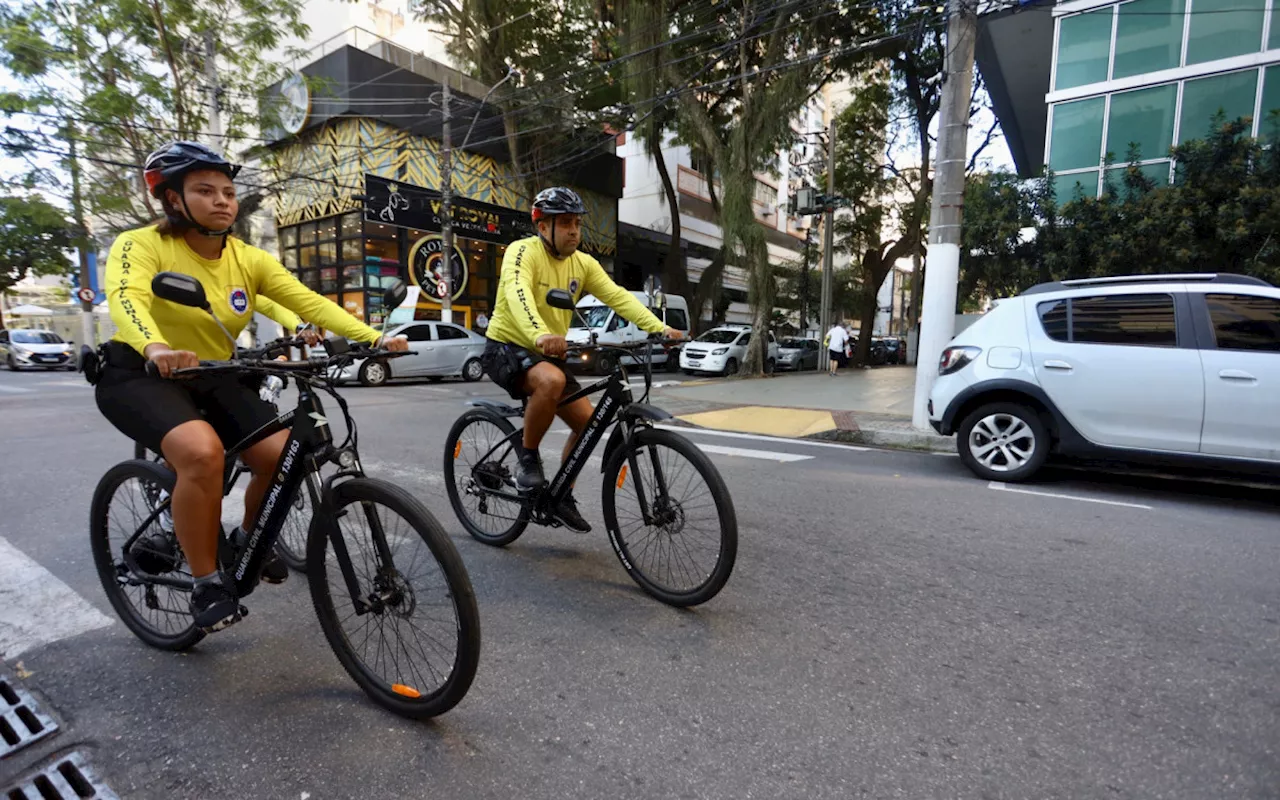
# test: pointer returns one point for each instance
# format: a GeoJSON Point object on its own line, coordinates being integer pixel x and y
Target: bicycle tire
{"type": "Point", "coordinates": [453, 449]}
{"type": "Point", "coordinates": [291, 546]}
{"type": "Point", "coordinates": [109, 569]}
{"type": "Point", "coordinates": [718, 575]}
{"type": "Point", "coordinates": [414, 704]}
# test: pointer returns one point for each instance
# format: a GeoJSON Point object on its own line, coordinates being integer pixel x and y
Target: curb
{"type": "Point", "coordinates": [884, 437]}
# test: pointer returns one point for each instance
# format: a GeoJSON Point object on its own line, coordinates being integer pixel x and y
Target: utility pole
{"type": "Point", "coordinates": [942, 273]}
{"type": "Point", "coordinates": [214, 89]}
{"type": "Point", "coordinates": [804, 284]}
{"type": "Point", "coordinates": [446, 208]}
{"type": "Point", "coordinates": [81, 238]}
{"type": "Point", "coordinates": [828, 242]}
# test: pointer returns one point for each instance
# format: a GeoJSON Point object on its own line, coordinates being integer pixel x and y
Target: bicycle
{"type": "Point", "coordinates": [365, 576]}
{"type": "Point", "coordinates": [480, 476]}
{"type": "Point", "coordinates": [292, 544]}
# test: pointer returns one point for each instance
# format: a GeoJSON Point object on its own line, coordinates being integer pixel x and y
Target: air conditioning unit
{"type": "Point", "coordinates": [807, 201]}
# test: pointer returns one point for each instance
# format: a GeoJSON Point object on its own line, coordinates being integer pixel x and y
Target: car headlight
{"type": "Point", "coordinates": [955, 359]}
{"type": "Point", "coordinates": [719, 351]}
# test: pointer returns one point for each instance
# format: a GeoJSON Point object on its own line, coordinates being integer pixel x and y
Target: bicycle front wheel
{"type": "Point", "coordinates": [670, 518]}
{"type": "Point", "coordinates": [409, 635]}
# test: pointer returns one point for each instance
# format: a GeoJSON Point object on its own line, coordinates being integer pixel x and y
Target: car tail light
{"type": "Point", "coordinates": [954, 359]}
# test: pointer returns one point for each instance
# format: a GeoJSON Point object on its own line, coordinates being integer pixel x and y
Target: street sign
{"type": "Point", "coordinates": [86, 294]}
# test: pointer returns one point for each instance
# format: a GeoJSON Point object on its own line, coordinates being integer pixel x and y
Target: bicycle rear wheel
{"type": "Point", "coordinates": [292, 544]}
{"type": "Point", "coordinates": [670, 518]}
{"type": "Point", "coordinates": [415, 645]}
{"type": "Point", "coordinates": [125, 497]}
{"type": "Point", "coordinates": [468, 473]}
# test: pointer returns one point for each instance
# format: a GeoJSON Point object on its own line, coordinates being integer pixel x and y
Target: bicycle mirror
{"type": "Point", "coordinates": [559, 298]}
{"type": "Point", "coordinates": [394, 295]}
{"type": "Point", "coordinates": [181, 289]}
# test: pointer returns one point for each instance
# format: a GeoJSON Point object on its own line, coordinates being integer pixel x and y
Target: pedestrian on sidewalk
{"type": "Point", "coordinates": [836, 339]}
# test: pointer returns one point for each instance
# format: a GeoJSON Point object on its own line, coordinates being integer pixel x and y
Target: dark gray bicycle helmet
{"type": "Point", "coordinates": [550, 203]}
{"type": "Point", "coordinates": [165, 169]}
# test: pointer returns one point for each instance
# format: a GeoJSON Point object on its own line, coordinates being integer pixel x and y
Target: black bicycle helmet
{"type": "Point", "coordinates": [165, 169]}
{"type": "Point", "coordinates": [549, 204]}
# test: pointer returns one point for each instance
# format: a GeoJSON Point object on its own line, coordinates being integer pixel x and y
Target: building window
{"type": "Point", "coordinates": [1273, 40]}
{"type": "Point", "coordinates": [1143, 118]}
{"type": "Point", "coordinates": [1084, 47]}
{"type": "Point", "coordinates": [766, 194]}
{"type": "Point", "coordinates": [1157, 173]}
{"type": "Point", "coordinates": [1267, 125]}
{"type": "Point", "coordinates": [1075, 184]}
{"type": "Point", "coordinates": [1148, 37]}
{"type": "Point", "coordinates": [1224, 28]}
{"type": "Point", "coordinates": [1232, 93]}
{"type": "Point", "coordinates": [1077, 134]}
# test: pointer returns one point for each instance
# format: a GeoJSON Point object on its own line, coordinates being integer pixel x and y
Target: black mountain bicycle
{"type": "Point", "coordinates": [390, 590]}
{"type": "Point", "coordinates": [668, 512]}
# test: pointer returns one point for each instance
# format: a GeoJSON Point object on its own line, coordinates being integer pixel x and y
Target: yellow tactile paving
{"type": "Point", "coordinates": [791, 423]}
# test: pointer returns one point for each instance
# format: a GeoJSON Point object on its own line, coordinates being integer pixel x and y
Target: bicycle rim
{"type": "Point", "coordinates": [472, 466]}
{"type": "Point", "coordinates": [415, 651]}
{"type": "Point", "coordinates": [159, 615]}
{"type": "Point", "coordinates": [683, 553]}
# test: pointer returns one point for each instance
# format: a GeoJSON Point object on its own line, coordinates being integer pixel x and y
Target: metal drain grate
{"type": "Point", "coordinates": [21, 722]}
{"type": "Point", "coordinates": [69, 778]}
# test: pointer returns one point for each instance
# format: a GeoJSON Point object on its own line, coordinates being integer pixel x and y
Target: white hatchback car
{"type": "Point", "coordinates": [722, 350]}
{"type": "Point", "coordinates": [1179, 370]}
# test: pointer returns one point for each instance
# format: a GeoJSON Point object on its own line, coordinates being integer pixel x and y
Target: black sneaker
{"type": "Point", "coordinates": [567, 512]}
{"type": "Point", "coordinates": [214, 607]}
{"type": "Point", "coordinates": [530, 476]}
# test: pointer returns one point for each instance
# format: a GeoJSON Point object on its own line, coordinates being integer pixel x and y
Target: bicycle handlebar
{"type": "Point", "coordinates": [317, 364]}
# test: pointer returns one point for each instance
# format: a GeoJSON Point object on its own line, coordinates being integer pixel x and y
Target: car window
{"type": "Point", "coordinates": [444, 332]}
{"type": "Point", "coordinates": [745, 340]}
{"type": "Point", "coordinates": [1244, 322]}
{"type": "Point", "coordinates": [616, 323]}
{"type": "Point", "coordinates": [36, 337]}
{"type": "Point", "coordinates": [676, 318]}
{"type": "Point", "coordinates": [717, 337]}
{"type": "Point", "coordinates": [417, 333]}
{"type": "Point", "coordinates": [1145, 320]}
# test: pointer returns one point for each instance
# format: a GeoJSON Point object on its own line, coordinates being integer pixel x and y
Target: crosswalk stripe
{"type": "Point", "coordinates": [15, 390]}
{"type": "Point", "coordinates": [36, 608]}
{"type": "Point", "coordinates": [766, 455]}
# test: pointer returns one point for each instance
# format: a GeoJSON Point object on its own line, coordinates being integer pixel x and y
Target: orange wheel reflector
{"type": "Point", "coordinates": [622, 476]}
{"type": "Point", "coordinates": [407, 691]}
{"type": "Point", "coordinates": [457, 449]}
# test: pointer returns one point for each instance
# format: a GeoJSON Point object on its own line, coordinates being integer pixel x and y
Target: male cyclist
{"type": "Point", "coordinates": [526, 348]}
{"type": "Point", "coordinates": [190, 421]}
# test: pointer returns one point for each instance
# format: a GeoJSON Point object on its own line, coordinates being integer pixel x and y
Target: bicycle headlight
{"type": "Point", "coordinates": [346, 459]}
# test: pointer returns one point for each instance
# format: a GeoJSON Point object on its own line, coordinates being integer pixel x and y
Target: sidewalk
{"type": "Point", "coordinates": [871, 406]}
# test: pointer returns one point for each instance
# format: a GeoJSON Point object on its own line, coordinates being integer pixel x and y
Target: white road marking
{"type": "Point", "coordinates": [36, 608]}
{"type": "Point", "coordinates": [761, 438]}
{"type": "Point", "coordinates": [1004, 487]}
{"type": "Point", "coordinates": [766, 455]}
{"type": "Point", "coordinates": [15, 390]}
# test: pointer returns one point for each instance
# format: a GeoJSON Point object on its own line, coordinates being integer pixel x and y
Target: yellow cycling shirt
{"type": "Point", "coordinates": [267, 308]}
{"type": "Point", "coordinates": [529, 271]}
{"type": "Point", "coordinates": [234, 283]}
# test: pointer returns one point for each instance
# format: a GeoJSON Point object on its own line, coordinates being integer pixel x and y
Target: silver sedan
{"type": "Point", "coordinates": [441, 350]}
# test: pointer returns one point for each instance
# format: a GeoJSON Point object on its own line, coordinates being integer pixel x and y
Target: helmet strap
{"type": "Point", "coordinates": [551, 243]}
{"type": "Point", "coordinates": [202, 230]}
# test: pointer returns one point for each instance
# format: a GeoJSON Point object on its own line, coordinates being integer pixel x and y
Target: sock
{"type": "Point", "coordinates": [212, 579]}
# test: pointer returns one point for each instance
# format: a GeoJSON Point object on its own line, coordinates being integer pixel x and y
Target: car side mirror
{"type": "Point", "coordinates": [559, 298]}
{"type": "Point", "coordinates": [394, 295]}
{"type": "Point", "coordinates": [181, 289]}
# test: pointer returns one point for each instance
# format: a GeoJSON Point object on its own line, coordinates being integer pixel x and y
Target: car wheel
{"type": "Point", "coordinates": [472, 371]}
{"type": "Point", "coordinates": [731, 367]}
{"type": "Point", "coordinates": [605, 363]}
{"type": "Point", "coordinates": [1003, 442]}
{"type": "Point", "coordinates": [374, 373]}
{"type": "Point", "coordinates": [10, 363]}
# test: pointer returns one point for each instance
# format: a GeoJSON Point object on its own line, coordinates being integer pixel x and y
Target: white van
{"type": "Point", "coordinates": [594, 316]}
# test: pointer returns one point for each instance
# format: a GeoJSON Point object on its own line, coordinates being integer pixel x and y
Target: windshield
{"type": "Point", "coordinates": [792, 343]}
{"type": "Point", "coordinates": [36, 337]}
{"type": "Point", "coordinates": [594, 316]}
{"type": "Point", "coordinates": [718, 337]}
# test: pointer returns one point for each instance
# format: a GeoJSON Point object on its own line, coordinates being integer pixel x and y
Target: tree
{"type": "Point", "coordinates": [997, 258]}
{"type": "Point", "coordinates": [34, 238]}
{"type": "Point", "coordinates": [118, 77]}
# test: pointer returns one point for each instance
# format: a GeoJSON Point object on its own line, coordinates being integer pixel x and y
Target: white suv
{"type": "Point", "coordinates": [1181, 370]}
{"type": "Point", "coordinates": [722, 350]}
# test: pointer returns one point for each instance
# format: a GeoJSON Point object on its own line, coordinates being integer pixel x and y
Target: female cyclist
{"type": "Point", "coordinates": [190, 421]}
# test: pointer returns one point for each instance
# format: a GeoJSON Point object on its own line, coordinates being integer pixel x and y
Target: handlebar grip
{"type": "Point", "coordinates": [152, 370]}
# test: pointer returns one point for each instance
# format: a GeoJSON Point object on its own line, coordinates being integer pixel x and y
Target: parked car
{"type": "Point", "coordinates": [722, 350]}
{"type": "Point", "coordinates": [798, 354]}
{"type": "Point", "coordinates": [441, 350]}
{"type": "Point", "coordinates": [611, 328]}
{"type": "Point", "coordinates": [24, 348]}
{"type": "Point", "coordinates": [895, 350]}
{"type": "Point", "coordinates": [1177, 370]}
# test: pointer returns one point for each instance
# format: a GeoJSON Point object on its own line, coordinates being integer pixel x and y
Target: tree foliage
{"type": "Point", "coordinates": [34, 238]}
{"type": "Point", "coordinates": [122, 76]}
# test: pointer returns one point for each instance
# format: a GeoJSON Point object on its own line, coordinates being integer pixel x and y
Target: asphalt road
{"type": "Point", "coordinates": [894, 628]}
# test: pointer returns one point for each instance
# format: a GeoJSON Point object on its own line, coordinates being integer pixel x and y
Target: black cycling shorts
{"type": "Point", "coordinates": [506, 364]}
{"type": "Point", "coordinates": [145, 408]}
